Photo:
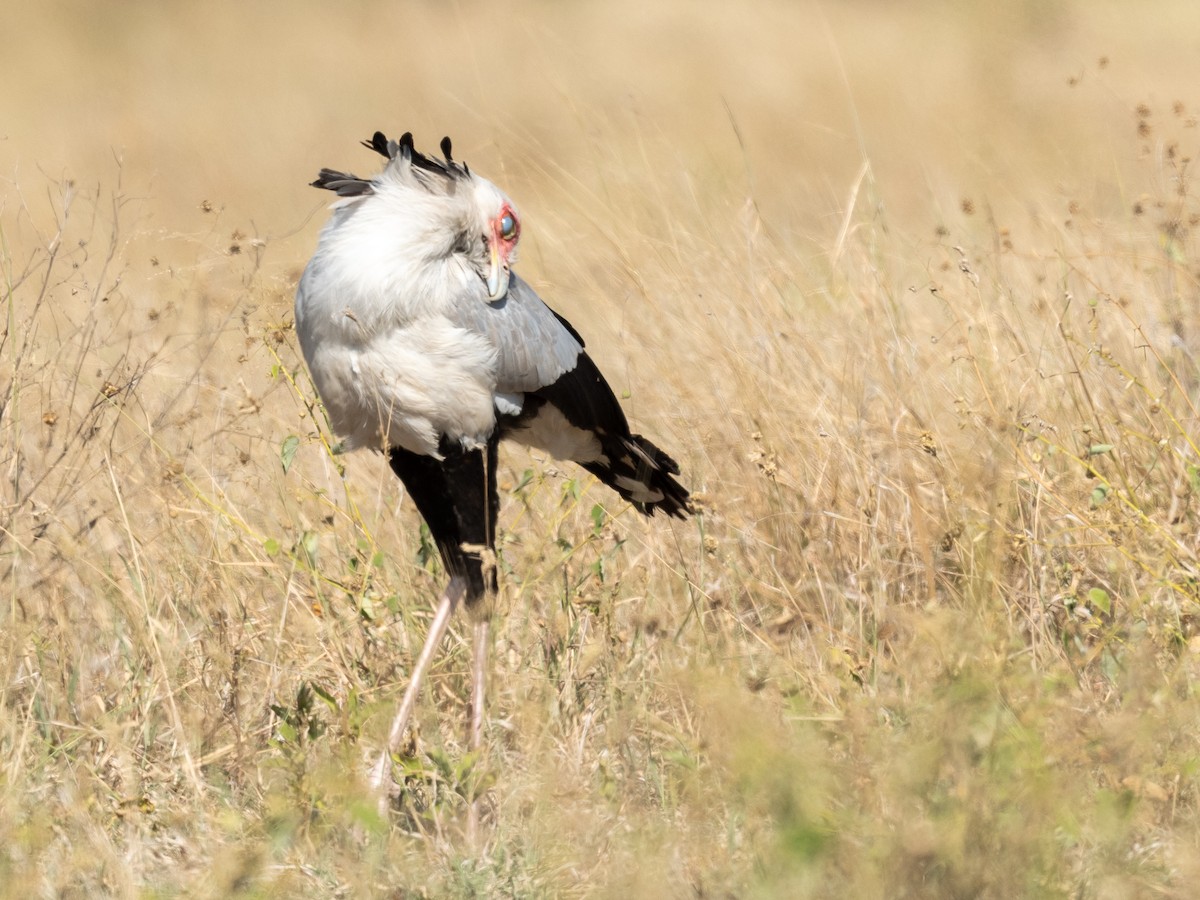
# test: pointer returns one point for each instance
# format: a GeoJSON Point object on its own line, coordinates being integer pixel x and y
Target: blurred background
{"type": "Point", "coordinates": [237, 105]}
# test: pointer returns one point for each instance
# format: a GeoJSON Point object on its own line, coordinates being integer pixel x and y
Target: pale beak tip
{"type": "Point", "coordinates": [497, 282]}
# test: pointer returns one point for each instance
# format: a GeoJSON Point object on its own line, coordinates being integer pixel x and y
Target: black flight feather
{"type": "Point", "coordinates": [587, 402]}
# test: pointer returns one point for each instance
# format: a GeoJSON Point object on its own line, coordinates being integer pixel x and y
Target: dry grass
{"type": "Point", "coordinates": [912, 294]}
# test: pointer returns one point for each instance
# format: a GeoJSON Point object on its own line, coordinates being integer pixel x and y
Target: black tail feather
{"type": "Point", "coordinates": [628, 463]}
{"type": "Point", "coordinates": [637, 468]}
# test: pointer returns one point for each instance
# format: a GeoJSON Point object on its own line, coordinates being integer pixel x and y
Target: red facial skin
{"type": "Point", "coordinates": [505, 245]}
{"type": "Point", "coordinates": [502, 246]}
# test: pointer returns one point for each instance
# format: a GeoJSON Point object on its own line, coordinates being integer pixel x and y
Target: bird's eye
{"type": "Point", "coordinates": [508, 226]}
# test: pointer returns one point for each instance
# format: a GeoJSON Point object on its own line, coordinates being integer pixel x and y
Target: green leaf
{"type": "Point", "coordinates": [1097, 449]}
{"type": "Point", "coordinates": [366, 815]}
{"type": "Point", "coordinates": [597, 518]}
{"type": "Point", "coordinates": [526, 478]}
{"type": "Point", "coordinates": [308, 543]}
{"type": "Point", "coordinates": [304, 699]}
{"type": "Point", "coordinates": [271, 546]}
{"type": "Point", "coordinates": [681, 759]}
{"type": "Point", "coordinates": [443, 763]}
{"type": "Point", "coordinates": [426, 551]}
{"type": "Point", "coordinates": [324, 695]}
{"type": "Point", "coordinates": [366, 608]}
{"type": "Point", "coordinates": [1099, 599]}
{"type": "Point", "coordinates": [290, 445]}
{"type": "Point", "coordinates": [1099, 494]}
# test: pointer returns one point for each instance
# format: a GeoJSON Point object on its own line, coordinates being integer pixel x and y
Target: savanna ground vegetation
{"type": "Point", "coordinates": [909, 289]}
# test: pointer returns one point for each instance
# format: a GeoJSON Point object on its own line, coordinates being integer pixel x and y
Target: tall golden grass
{"type": "Point", "coordinates": [910, 292]}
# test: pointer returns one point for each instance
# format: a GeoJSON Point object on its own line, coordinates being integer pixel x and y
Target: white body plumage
{"type": "Point", "coordinates": [374, 312]}
{"type": "Point", "coordinates": [419, 336]}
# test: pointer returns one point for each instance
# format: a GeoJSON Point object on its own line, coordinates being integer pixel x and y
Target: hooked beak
{"type": "Point", "coordinates": [497, 279]}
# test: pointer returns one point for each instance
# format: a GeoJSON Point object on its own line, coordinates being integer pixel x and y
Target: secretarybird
{"type": "Point", "coordinates": [425, 345]}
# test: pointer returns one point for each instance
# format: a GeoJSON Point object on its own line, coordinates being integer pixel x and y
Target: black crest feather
{"type": "Point", "coordinates": [379, 143]}
{"type": "Point", "coordinates": [404, 148]}
{"type": "Point", "coordinates": [347, 185]}
{"type": "Point", "coordinates": [343, 183]}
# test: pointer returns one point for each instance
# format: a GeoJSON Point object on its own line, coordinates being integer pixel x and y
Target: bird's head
{"type": "Point", "coordinates": [501, 229]}
{"type": "Point", "coordinates": [448, 210]}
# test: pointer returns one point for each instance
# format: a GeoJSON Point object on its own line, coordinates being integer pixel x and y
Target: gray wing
{"type": "Point", "coordinates": [534, 344]}
{"type": "Point", "coordinates": [542, 361]}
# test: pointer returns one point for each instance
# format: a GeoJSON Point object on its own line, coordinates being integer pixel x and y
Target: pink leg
{"type": "Point", "coordinates": [475, 730]}
{"type": "Point", "coordinates": [478, 684]}
{"type": "Point", "coordinates": [441, 620]}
